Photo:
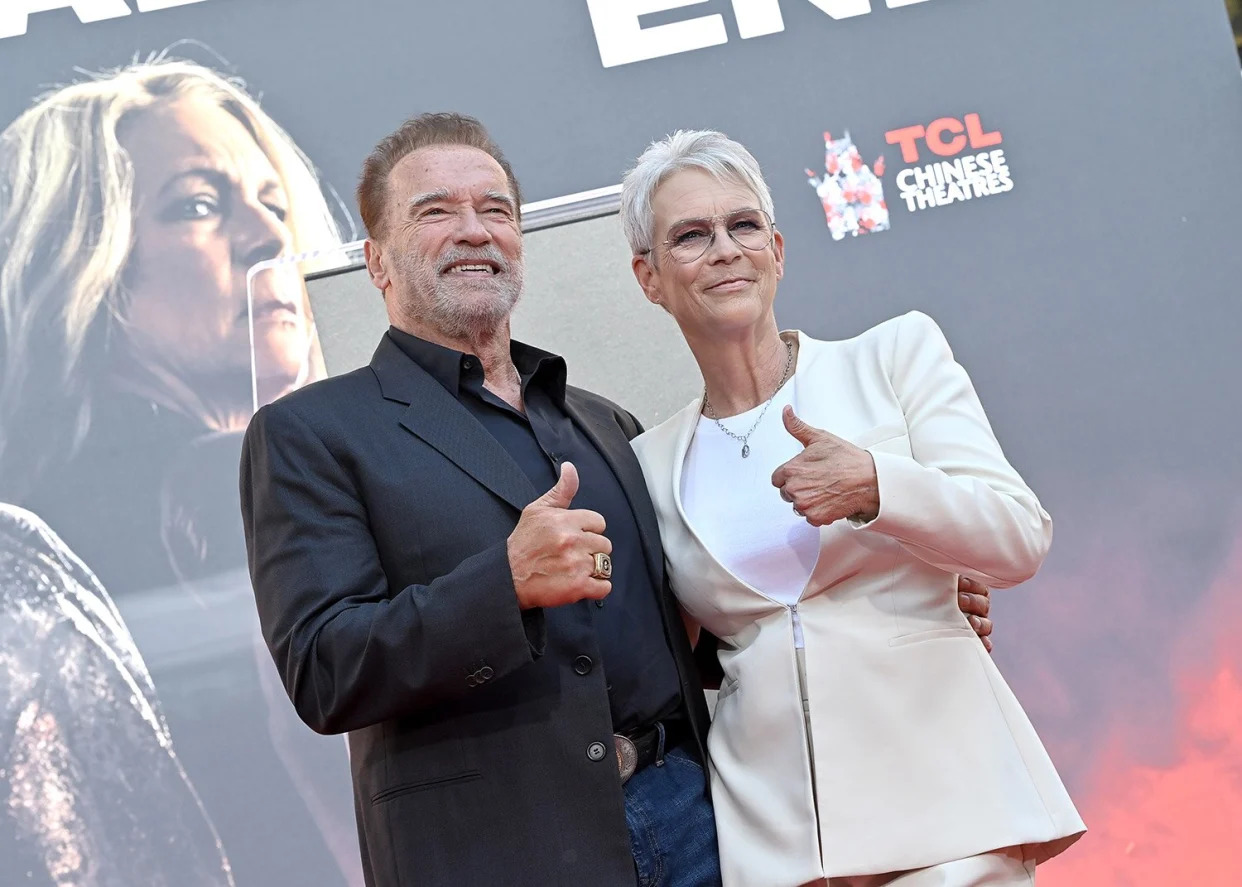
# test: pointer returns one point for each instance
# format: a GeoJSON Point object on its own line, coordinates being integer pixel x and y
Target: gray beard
{"type": "Point", "coordinates": [452, 305]}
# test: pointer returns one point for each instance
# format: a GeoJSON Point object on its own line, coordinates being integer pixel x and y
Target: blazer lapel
{"type": "Point", "coordinates": [435, 416]}
{"type": "Point", "coordinates": [601, 427]}
{"type": "Point", "coordinates": [708, 561]}
{"type": "Point", "coordinates": [685, 434]}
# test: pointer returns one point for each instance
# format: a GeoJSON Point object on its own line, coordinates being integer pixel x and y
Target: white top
{"type": "Point", "coordinates": [737, 513]}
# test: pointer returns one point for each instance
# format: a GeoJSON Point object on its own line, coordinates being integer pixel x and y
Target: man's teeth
{"type": "Point", "coordinates": [460, 269]}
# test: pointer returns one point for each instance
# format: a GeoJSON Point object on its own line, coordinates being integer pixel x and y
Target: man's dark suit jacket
{"type": "Point", "coordinates": [376, 513]}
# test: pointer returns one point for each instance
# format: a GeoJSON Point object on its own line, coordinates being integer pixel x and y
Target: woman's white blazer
{"type": "Point", "coordinates": [918, 751]}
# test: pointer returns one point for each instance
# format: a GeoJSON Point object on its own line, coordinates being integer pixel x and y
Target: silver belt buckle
{"type": "Point", "coordinates": [627, 757]}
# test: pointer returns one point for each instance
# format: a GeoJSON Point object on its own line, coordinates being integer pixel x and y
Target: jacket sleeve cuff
{"type": "Point", "coordinates": [897, 479]}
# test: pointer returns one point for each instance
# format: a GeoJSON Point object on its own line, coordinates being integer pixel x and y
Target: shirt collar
{"type": "Point", "coordinates": [452, 368]}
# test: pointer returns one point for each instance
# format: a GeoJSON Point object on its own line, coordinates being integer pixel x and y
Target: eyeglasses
{"type": "Point", "coordinates": [690, 239]}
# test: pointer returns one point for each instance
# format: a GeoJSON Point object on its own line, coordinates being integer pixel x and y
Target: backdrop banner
{"type": "Point", "coordinates": [1056, 183]}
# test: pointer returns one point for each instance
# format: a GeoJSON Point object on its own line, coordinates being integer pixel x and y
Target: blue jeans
{"type": "Point", "coordinates": [672, 829]}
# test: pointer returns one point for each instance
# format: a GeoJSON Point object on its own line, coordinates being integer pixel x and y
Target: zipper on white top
{"type": "Point", "coordinates": [797, 626]}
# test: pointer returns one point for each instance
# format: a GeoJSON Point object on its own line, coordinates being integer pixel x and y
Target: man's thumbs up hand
{"type": "Point", "coordinates": [552, 549]}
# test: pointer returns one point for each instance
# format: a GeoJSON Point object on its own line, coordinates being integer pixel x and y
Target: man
{"type": "Point", "coordinates": [456, 561]}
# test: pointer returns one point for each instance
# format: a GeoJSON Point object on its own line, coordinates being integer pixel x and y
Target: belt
{"type": "Point", "coordinates": [642, 747]}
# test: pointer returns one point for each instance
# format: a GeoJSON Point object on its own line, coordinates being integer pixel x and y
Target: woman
{"type": "Point", "coordinates": [817, 505]}
{"type": "Point", "coordinates": [131, 208]}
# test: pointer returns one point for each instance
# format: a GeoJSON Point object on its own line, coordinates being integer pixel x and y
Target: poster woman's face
{"type": "Point", "coordinates": [208, 206]}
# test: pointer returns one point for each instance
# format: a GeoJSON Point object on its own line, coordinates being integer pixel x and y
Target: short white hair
{"type": "Point", "coordinates": [704, 149]}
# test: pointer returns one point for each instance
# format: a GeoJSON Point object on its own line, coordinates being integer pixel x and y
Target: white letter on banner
{"type": "Point", "coordinates": [152, 5]}
{"type": "Point", "coordinates": [13, 13]}
{"type": "Point", "coordinates": [622, 40]}
{"type": "Point", "coordinates": [755, 18]}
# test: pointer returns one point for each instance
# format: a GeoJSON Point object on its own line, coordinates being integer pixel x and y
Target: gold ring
{"type": "Point", "coordinates": [603, 566]}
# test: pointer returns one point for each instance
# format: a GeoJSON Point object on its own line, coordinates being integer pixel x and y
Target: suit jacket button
{"type": "Point", "coordinates": [596, 751]}
{"type": "Point", "coordinates": [599, 602]}
{"type": "Point", "coordinates": [583, 665]}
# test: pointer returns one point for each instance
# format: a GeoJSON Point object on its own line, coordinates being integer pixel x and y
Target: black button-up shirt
{"type": "Point", "coordinates": [638, 664]}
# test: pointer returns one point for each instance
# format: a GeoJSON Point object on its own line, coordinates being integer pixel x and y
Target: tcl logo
{"type": "Point", "coordinates": [967, 130]}
{"type": "Point", "coordinates": [14, 13]}
{"type": "Point", "coordinates": [622, 40]}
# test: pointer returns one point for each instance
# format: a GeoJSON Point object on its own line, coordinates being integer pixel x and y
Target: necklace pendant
{"type": "Point", "coordinates": [745, 450]}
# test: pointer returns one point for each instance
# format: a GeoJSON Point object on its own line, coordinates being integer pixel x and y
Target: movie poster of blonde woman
{"type": "Point", "coordinates": [159, 749]}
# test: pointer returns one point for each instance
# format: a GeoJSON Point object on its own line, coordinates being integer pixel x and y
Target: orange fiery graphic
{"type": "Point", "coordinates": [1179, 820]}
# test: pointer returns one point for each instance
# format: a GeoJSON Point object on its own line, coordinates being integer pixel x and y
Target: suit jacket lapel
{"type": "Point", "coordinates": [601, 427]}
{"type": "Point", "coordinates": [688, 421]}
{"type": "Point", "coordinates": [437, 418]}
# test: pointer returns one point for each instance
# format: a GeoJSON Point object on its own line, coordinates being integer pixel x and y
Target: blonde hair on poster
{"type": "Point", "coordinates": [66, 236]}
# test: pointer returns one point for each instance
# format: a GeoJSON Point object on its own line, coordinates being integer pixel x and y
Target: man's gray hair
{"type": "Point", "coordinates": [704, 149]}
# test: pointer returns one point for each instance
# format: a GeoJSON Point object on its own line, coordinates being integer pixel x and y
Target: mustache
{"type": "Point", "coordinates": [488, 253]}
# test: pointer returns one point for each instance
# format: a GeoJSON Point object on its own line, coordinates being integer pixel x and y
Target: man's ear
{"type": "Point", "coordinates": [648, 278]}
{"type": "Point", "coordinates": [375, 265]}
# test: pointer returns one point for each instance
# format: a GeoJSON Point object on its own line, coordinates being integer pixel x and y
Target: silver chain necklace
{"type": "Point", "coordinates": [711, 413]}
